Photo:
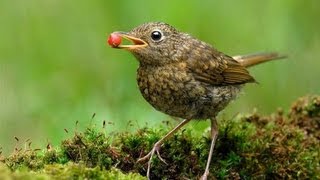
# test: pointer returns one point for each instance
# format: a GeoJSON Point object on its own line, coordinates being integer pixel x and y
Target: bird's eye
{"type": "Point", "coordinates": [156, 35]}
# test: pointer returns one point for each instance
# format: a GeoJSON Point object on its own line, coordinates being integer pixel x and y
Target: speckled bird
{"type": "Point", "coordinates": [187, 78]}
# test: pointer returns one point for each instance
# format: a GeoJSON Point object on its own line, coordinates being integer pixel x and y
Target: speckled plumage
{"type": "Point", "coordinates": [176, 92]}
{"type": "Point", "coordinates": [185, 77]}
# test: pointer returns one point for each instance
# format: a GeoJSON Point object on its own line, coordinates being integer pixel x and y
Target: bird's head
{"type": "Point", "coordinates": [151, 43]}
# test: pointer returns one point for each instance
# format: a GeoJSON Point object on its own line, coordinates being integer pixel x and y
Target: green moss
{"type": "Point", "coordinates": [303, 110]}
{"type": "Point", "coordinates": [67, 171]}
{"type": "Point", "coordinates": [254, 146]}
{"type": "Point", "coordinates": [92, 148]}
{"type": "Point", "coordinates": [21, 159]}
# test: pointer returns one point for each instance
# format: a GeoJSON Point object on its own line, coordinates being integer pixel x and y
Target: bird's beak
{"type": "Point", "coordinates": [137, 42]}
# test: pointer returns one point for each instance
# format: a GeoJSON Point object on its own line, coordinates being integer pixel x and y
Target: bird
{"type": "Point", "coordinates": [185, 77]}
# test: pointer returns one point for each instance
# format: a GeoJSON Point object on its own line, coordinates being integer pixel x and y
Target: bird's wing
{"type": "Point", "coordinates": [218, 69]}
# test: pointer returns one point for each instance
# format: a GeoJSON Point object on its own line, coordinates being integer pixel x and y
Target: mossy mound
{"type": "Point", "coordinates": [277, 146]}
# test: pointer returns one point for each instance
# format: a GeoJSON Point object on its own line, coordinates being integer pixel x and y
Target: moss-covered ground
{"type": "Point", "coordinates": [278, 146]}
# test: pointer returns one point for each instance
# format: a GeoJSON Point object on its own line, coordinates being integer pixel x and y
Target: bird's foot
{"type": "Point", "coordinates": [205, 175]}
{"type": "Point", "coordinates": [149, 156]}
{"type": "Point", "coordinates": [156, 148]}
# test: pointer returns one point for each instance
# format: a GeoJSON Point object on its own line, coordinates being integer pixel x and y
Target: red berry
{"type": "Point", "coordinates": [114, 40]}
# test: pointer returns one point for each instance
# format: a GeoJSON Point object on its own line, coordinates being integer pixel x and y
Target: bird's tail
{"type": "Point", "coordinates": [254, 59]}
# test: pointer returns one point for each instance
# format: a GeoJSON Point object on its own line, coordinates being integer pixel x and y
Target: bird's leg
{"type": "Point", "coordinates": [214, 134]}
{"type": "Point", "coordinates": [157, 145]}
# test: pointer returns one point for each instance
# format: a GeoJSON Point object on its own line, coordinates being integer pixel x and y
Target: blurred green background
{"type": "Point", "coordinates": [56, 69]}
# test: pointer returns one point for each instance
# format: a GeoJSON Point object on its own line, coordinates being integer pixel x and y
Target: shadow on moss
{"type": "Point", "coordinates": [253, 146]}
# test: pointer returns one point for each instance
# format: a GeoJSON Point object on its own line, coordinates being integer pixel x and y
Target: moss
{"type": "Point", "coordinates": [92, 148]}
{"type": "Point", "coordinates": [67, 171]}
{"type": "Point", "coordinates": [6, 173]}
{"type": "Point", "coordinates": [305, 113]}
{"type": "Point", "coordinates": [21, 159]}
{"type": "Point", "coordinates": [276, 146]}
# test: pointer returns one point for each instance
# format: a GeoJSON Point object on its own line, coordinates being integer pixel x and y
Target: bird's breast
{"type": "Point", "coordinates": [161, 86]}
{"type": "Point", "coordinates": [174, 91]}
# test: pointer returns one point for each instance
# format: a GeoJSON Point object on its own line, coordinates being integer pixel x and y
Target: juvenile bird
{"type": "Point", "coordinates": [185, 77]}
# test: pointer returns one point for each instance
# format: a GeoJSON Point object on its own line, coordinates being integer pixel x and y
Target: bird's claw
{"type": "Point", "coordinates": [149, 156]}
{"type": "Point", "coordinates": [144, 158]}
{"type": "Point", "coordinates": [156, 148]}
{"type": "Point", "coordinates": [205, 175]}
{"type": "Point", "coordinates": [159, 156]}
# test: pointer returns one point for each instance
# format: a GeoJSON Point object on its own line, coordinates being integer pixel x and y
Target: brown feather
{"type": "Point", "coordinates": [257, 58]}
{"type": "Point", "coordinates": [222, 70]}
{"type": "Point", "coordinates": [236, 74]}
